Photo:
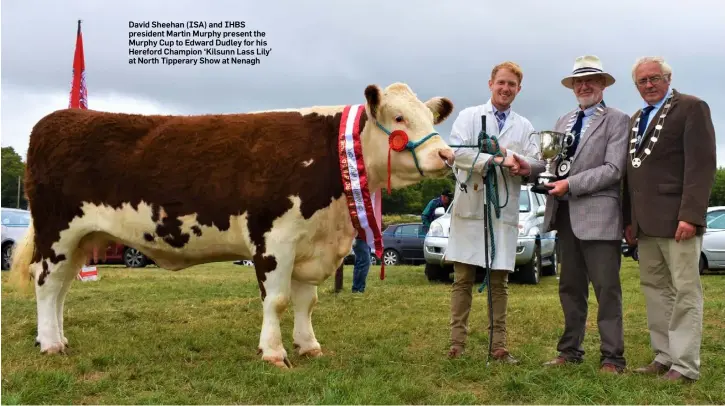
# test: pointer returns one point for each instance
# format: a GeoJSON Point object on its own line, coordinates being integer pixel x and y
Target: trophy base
{"type": "Point", "coordinates": [541, 189]}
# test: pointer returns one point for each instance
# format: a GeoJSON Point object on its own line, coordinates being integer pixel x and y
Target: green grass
{"type": "Point", "coordinates": [153, 336]}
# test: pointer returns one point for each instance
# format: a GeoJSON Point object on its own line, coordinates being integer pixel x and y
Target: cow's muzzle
{"type": "Point", "coordinates": [447, 156]}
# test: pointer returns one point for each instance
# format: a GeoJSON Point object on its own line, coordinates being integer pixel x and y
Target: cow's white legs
{"type": "Point", "coordinates": [276, 301]}
{"type": "Point", "coordinates": [49, 282]}
{"type": "Point", "coordinates": [304, 299]}
{"type": "Point", "coordinates": [69, 276]}
{"type": "Point", "coordinates": [52, 282]}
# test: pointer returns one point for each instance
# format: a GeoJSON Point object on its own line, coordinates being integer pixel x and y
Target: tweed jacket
{"type": "Point", "coordinates": [673, 183]}
{"type": "Point", "coordinates": [594, 178]}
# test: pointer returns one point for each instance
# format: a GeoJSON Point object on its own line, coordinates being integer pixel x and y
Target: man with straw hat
{"type": "Point", "coordinates": [584, 207]}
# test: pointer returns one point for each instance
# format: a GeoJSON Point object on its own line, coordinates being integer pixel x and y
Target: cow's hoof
{"type": "Point", "coordinates": [313, 350]}
{"type": "Point", "coordinates": [54, 348]}
{"type": "Point", "coordinates": [312, 353]}
{"type": "Point", "coordinates": [65, 342]}
{"type": "Point", "coordinates": [280, 362]}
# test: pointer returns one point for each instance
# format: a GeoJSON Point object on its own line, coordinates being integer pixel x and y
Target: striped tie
{"type": "Point", "coordinates": [501, 119]}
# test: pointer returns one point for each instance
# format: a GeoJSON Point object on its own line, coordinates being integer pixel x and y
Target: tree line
{"type": "Point", "coordinates": [409, 200]}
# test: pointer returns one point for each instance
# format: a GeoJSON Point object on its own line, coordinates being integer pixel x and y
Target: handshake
{"type": "Point", "coordinates": [516, 164]}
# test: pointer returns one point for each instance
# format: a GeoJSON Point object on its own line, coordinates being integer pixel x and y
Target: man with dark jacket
{"type": "Point", "coordinates": [671, 167]}
{"type": "Point", "coordinates": [429, 212]}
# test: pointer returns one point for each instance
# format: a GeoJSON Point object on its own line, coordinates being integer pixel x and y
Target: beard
{"type": "Point", "coordinates": [590, 100]}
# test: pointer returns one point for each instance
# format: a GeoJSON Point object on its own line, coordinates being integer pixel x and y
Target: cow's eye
{"type": "Point", "coordinates": [398, 119]}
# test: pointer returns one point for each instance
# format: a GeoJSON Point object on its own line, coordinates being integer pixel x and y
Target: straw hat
{"type": "Point", "coordinates": [585, 66]}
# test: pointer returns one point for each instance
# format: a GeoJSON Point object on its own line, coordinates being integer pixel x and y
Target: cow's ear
{"type": "Point", "coordinates": [441, 108]}
{"type": "Point", "coordinates": [372, 95]}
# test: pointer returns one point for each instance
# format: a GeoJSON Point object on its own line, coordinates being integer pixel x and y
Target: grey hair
{"type": "Point", "coordinates": [666, 68]}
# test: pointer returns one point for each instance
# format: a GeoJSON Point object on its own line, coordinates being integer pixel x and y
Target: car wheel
{"type": "Point", "coordinates": [703, 264]}
{"type": "Point", "coordinates": [635, 253]}
{"type": "Point", "coordinates": [391, 257]}
{"type": "Point", "coordinates": [553, 269]}
{"type": "Point", "coordinates": [530, 273]}
{"type": "Point", "coordinates": [7, 254]}
{"type": "Point", "coordinates": [133, 258]}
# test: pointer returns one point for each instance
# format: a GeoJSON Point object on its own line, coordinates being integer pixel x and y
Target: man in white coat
{"type": "Point", "coordinates": [466, 240]}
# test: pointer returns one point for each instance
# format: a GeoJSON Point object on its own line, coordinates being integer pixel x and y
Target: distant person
{"type": "Point", "coordinates": [362, 265]}
{"type": "Point", "coordinates": [671, 167]}
{"type": "Point", "coordinates": [444, 200]}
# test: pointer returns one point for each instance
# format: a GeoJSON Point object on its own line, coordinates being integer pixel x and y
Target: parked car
{"type": "Point", "coordinates": [536, 252]}
{"type": "Point", "coordinates": [712, 256]}
{"type": "Point", "coordinates": [15, 224]}
{"type": "Point", "coordinates": [117, 253]}
{"type": "Point", "coordinates": [403, 243]}
{"type": "Point", "coordinates": [350, 258]}
{"type": "Point", "coordinates": [713, 241]}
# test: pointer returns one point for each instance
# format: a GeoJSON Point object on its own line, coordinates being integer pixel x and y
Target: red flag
{"type": "Point", "coordinates": [78, 92]}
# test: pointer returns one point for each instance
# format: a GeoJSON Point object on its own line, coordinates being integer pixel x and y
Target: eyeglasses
{"type": "Point", "coordinates": [652, 79]}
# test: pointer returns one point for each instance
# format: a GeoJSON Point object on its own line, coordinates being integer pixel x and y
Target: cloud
{"type": "Point", "coordinates": [326, 52]}
{"type": "Point", "coordinates": [22, 108]}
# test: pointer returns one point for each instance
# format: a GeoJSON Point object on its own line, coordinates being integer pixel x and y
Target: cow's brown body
{"type": "Point", "coordinates": [215, 167]}
{"type": "Point", "coordinates": [190, 190]}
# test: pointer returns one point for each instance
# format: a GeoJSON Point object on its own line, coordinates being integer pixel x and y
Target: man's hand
{"type": "Point", "coordinates": [629, 236]}
{"type": "Point", "coordinates": [561, 187]}
{"type": "Point", "coordinates": [508, 162]}
{"type": "Point", "coordinates": [685, 231]}
{"type": "Point", "coordinates": [522, 169]}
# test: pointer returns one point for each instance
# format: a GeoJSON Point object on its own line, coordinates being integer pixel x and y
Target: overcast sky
{"type": "Point", "coordinates": [326, 52]}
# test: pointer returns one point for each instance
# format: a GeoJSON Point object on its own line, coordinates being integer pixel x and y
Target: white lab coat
{"type": "Point", "coordinates": [466, 239]}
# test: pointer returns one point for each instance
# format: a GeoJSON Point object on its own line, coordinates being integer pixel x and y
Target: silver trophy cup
{"type": "Point", "coordinates": [551, 143]}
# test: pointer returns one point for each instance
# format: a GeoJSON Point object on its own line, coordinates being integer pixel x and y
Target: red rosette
{"type": "Point", "coordinates": [398, 140]}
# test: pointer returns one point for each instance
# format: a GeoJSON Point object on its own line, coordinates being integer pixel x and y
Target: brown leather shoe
{"type": "Point", "coordinates": [610, 369]}
{"type": "Point", "coordinates": [654, 368]}
{"type": "Point", "coordinates": [455, 352]}
{"type": "Point", "coordinates": [673, 376]}
{"type": "Point", "coordinates": [501, 354]}
{"type": "Point", "coordinates": [556, 362]}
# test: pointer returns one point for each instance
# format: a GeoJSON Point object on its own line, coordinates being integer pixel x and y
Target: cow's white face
{"type": "Point", "coordinates": [398, 109]}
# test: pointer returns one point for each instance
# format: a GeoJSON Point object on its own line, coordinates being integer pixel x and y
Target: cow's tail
{"type": "Point", "coordinates": [21, 259]}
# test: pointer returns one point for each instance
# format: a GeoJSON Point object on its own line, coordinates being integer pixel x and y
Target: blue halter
{"type": "Point", "coordinates": [411, 145]}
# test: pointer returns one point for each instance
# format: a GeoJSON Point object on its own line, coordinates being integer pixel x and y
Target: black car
{"type": "Point", "coordinates": [403, 243]}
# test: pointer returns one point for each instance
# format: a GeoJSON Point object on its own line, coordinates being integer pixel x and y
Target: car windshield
{"type": "Point", "coordinates": [15, 218]}
{"type": "Point", "coordinates": [716, 220]}
{"type": "Point", "coordinates": [524, 202]}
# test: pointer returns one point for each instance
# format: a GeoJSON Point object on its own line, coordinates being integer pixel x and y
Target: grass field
{"type": "Point", "coordinates": [153, 336]}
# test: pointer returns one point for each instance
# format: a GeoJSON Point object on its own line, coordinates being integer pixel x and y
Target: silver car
{"type": "Point", "coordinates": [713, 241]}
{"type": "Point", "coordinates": [712, 256]}
{"type": "Point", "coordinates": [536, 252]}
{"type": "Point", "coordinates": [15, 224]}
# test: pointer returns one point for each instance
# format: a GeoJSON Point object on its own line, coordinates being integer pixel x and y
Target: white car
{"type": "Point", "coordinates": [536, 252]}
{"type": "Point", "coordinates": [15, 224]}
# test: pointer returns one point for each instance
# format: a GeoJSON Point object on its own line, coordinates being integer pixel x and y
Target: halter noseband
{"type": "Point", "coordinates": [398, 141]}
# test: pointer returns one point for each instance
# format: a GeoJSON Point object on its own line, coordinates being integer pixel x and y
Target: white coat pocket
{"type": "Point", "coordinates": [470, 205]}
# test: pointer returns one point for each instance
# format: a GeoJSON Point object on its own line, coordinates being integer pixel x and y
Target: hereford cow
{"type": "Point", "coordinates": [187, 190]}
